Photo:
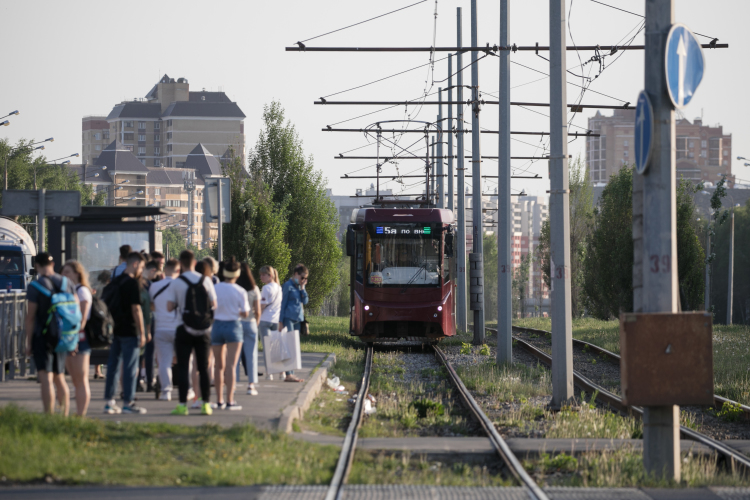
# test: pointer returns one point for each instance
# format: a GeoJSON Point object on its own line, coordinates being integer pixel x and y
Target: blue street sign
{"type": "Point", "coordinates": [684, 64]}
{"type": "Point", "coordinates": [644, 131]}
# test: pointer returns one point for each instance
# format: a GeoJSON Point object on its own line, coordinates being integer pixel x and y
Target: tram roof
{"type": "Point", "coordinates": [403, 215]}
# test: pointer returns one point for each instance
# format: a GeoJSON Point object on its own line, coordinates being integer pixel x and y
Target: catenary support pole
{"type": "Point", "coordinates": [561, 313]}
{"type": "Point", "coordinates": [707, 292]}
{"type": "Point", "coordinates": [476, 258]}
{"type": "Point", "coordinates": [504, 213]}
{"type": "Point", "coordinates": [449, 128]}
{"type": "Point", "coordinates": [461, 316]}
{"type": "Point", "coordinates": [730, 291]}
{"type": "Point", "coordinates": [433, 169]}
{"type": "Point", "coordinates": [656, 243]}
{"type": "Point", "coordinates": [221, 221]}
{"type": "Point", "coordinates": [441, 162]}
{"type": "Point", "coordinates": [40, 221]}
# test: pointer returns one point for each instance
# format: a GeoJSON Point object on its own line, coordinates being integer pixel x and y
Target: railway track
{"type": "Point", "coordinates": [734, 458]}
{"type": "Point", "coordinates": [346, 457]}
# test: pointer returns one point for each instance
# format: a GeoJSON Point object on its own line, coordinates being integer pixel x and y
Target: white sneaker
{"type": "Point", "coordinates": [165, 396]}
{"type": "Point", "coordinates": [252, 390]}
{"type": "Point", "coordinates": [111, 408]}
{"type": "Point", "coordinates": [191, 394]}
{"type": "Point", "coordinates": [269, 377]}
{"type": "Point", "coordinates": [197, 404]}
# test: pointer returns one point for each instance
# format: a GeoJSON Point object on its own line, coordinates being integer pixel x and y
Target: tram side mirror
{"type": "Point", "coordinates": [449, 244]}
{"type": "Point", "coordinates": [351, 242]}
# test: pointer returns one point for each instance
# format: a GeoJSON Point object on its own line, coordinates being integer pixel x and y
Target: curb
{"type": "Point", "coordinates": [306, 395]}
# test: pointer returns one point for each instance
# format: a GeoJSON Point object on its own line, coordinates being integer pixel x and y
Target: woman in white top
{"type": "Point", "coordinates": [249, 355]}
{"type": "Point", "coordinates": [226, 333]}
{"type": "Point", "coordinates": [270, 304]}
{"type": "Point", "coordinates": [78, 364]}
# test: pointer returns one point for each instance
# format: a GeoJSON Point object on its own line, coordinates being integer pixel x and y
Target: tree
{"type": "Point", "coordinates": [520, 285]}
{"type": "Point", "coordinates": [490, 277]}
{"type": "Point", "coordinates": [608, 267]}
{"type": "Point", "coordinates": [581, 221]}
{"type": "Point", "coordinates": [278, 161]}
{"type": "Point", "coordinates": [256, 234]}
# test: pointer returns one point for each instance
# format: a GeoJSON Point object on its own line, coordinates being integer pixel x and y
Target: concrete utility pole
{"type": "Point", "coordinates": [40, 222]}
{"type": "Point", "coordinates": [451, 192]}
{"type": "Point", "coordinates": [654, 235]}
{"type": "Point", "coordinates": [707, 293]}
{"type": "Point", "coordinates": [476, 258]}
{"type": "Point", "coordinates": [433, 169]}
{"type": "Point", "coordinates": [730, 292]}
{"type": "Point", "coordinates": [559, 201]}
{"type": "Point", "coordinates": [440, 169]}
{"type": "Point", "coordinates": [504, 213]}
{"type": "Point", "coordinates": [461, 319]}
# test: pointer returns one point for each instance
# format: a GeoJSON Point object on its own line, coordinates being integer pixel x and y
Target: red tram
{"type": "Point", "coordinates": [402, 274]}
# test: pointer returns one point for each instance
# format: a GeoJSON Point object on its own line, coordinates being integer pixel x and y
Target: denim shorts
{"type": "Point", "coordinates": [83, 344]}
{"type": "Point", "coordinates": [226, 332]}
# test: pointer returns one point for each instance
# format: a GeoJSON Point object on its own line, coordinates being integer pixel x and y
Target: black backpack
{"type": "Point", "coordinates": [100, 325]}
{"type": "Point", "coordinates": [198, 313]}
{"type": "Point", "coordinates": [111, 298]}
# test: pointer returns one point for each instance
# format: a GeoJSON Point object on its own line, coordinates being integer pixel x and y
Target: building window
{"type": "Point", "coordinates": [157, 125]}
{"type": "Point", "coordinates": [157, 150]}
{"type": "Point", "coordinates": [714, 151]}
{"type": "Point", "coordinates": [169, 136]}
{"type": "Point", "coordinates": [704, 144]}
{"type": "Point", "coordinates": [625, 143]}
{"type": "Point", "coordinates": [625, 154]}
{"type": "Point", "coordinates": [180, 164]}
{"type": "Point", "coordinates": [157, 138]}
{"type": "Point", "coordinates": [142, 125]}
{"type": "Point", "coordinates": [141, 150]}
{"type": "Point", "coordinates": [169, 148]}
{"type": "Point", "coordinates": [97, 136]}
{"type": "Point", "coordinates": [703, 153]}
{"type": "Point", "coordinates": [105, 134]}
{"type": "Point", "coordinates": [726, 152]}
{"type": "Point", "coordinates": [129, 147]}
{"type": "Point", "coordinates": [157, 191]}
{"type": "Point", "coordinates": [156, 162]}
{"type": "Point", "coordinates": [98, 147]}
{"type": "Point", "coordinates": [141, 137]}
{"type": "Point", "coordinates": [129, 136]}
{"type": "Point", "coordinates": [691, 144]}
{"type": "Point", "coordinates": [128, 124]}
{"type": "Point", "coordinates": [682, 150]}
{"type": "Point", "coordinates": [169, 123]}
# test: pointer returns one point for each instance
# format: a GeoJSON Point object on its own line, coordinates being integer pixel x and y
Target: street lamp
{"type": "Point", "coordinates": [9, 114]}
{"type": "Point", "coordinates": [5, 123]}
{"type": "Point", "coordinates": [741, 158]}
{"type": "Point", "coordinates": [26, 146]}
{"type": "Point", "coordinates": [69, 156]}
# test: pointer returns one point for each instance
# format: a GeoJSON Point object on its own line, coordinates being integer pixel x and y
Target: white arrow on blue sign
{"type": "Point", "coordinates": [684, 64]}
{"type": "Point", "coordinates": [644, 128]}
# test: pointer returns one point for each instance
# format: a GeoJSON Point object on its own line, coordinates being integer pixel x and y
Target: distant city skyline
{"type": "Point", "coordinates": [56, 73]}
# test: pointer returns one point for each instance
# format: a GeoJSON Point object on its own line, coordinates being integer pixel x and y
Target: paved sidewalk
{"type": "Point", "coordinates": [263, 410]}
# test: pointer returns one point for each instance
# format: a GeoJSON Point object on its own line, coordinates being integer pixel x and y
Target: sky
{"type": "Point", "coordinates": [66, 60]}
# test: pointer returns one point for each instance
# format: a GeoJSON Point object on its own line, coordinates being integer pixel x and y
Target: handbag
{"type": "Point", "coordinates": [304, 329]}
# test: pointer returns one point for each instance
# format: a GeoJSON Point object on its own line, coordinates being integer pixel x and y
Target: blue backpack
{"type": "Point", "coordinates": [63, 318]}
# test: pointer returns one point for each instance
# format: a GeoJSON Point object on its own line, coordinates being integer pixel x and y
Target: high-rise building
{"type": "Point", "coordinates": [162, 128]}
{"type": "Point", "coordinates": [703, 152]}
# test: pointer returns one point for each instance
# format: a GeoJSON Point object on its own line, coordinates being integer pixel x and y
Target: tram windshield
{"type": "Point", "coordinates": [403, 254]}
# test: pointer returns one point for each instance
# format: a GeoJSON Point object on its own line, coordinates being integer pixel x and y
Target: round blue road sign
{"type": "Point", "coordinates": [684, 65]}
{"type": "Point", "coordinates": [644, 128]}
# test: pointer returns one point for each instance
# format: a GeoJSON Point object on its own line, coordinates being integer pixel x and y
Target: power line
{"type": "Point", "coordinates": [301, 46]}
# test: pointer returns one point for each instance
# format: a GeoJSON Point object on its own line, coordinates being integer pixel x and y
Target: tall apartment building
{"type": "Point", "coordinates": [703, 152]}
{"type": "Point", "coordinates": [162, 128]}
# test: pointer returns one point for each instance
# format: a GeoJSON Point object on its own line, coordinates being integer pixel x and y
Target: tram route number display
{"type": "Point", "coordinates": [394, 231]}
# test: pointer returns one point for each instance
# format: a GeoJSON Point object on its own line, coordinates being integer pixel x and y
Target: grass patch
{"type": "Point", "coordinates": [507, 382]}
{"type": "Point", "coordinates": [394, 468]}
{"type": "Point", "coordinates": [87, 451]}
{"type": "Point", "coordinates": [624, 468]}
{"type": "Point", "coordinates": [731, 350]}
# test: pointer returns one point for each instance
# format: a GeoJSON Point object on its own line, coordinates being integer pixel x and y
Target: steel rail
{"type": "Point", "coordinates": [732, 456]}
{"type": "Point", "coordinates": [615, 358]}
{"type": "Point", "coordinates": [533, 489]}
{"type": "Point", "coordinates": [344, 464]}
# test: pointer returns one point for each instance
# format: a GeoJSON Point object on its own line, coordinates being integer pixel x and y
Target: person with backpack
{"type": "Point", "coordinates": [194, 297]}
{"type": "Point", "coordinates": [125, 250]}
{"type": "Point", "coordinates": [123, 298]}
{"type": "Point", "coordinates": [227, 334]}
{"type": "Point", "coordinates": [292, 312]}
{"type": "Point", "coordinates": [249, 355]}
{"type": "Point", "coordinates": [165, 327]}
{"type": "Point", "coordinates": [49, 298]}
{"type": "Point", "coordinates": [78, 364]}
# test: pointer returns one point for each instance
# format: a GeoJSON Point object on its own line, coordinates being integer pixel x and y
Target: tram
{"type": "Point", "coordinates": [402, 274]}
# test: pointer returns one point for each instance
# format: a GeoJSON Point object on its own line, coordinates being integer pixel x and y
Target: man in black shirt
{"type": "Point", "coordinates": [50, 365]}
{"type": "Point", "coordinates": [129, 335]}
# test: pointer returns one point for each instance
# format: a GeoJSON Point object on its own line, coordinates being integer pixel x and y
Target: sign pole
{"type": "Point", "coordinates": [657, 248]}
{"type": "Point", "coordinates": [221, 222]}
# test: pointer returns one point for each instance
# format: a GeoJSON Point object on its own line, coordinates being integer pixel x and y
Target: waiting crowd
{"type": "Point", "coordinates": [181, 314]}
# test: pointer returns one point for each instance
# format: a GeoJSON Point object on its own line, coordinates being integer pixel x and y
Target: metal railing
{"type": "Point", "coordinates": [12, 345]}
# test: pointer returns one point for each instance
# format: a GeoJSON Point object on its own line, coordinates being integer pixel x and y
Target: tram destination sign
{"type": "Point", "coordinates": [390, 230]}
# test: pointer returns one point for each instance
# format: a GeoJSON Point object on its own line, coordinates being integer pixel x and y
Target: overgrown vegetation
{"type": "Point", "coordinates": [42, 448]}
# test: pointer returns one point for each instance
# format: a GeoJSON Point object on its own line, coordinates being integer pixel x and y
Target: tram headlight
{"type": "Point", "coordinates": [440, 308]}
{"type": "Point", "coordinates": [367, 308]}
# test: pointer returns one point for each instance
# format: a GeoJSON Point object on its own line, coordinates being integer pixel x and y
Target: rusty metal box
{"type": "Point", "coordinates": [667, 359]}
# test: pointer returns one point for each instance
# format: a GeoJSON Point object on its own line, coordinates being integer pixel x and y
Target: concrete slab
{"type": "Point", "coordinates": [263, 410]}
